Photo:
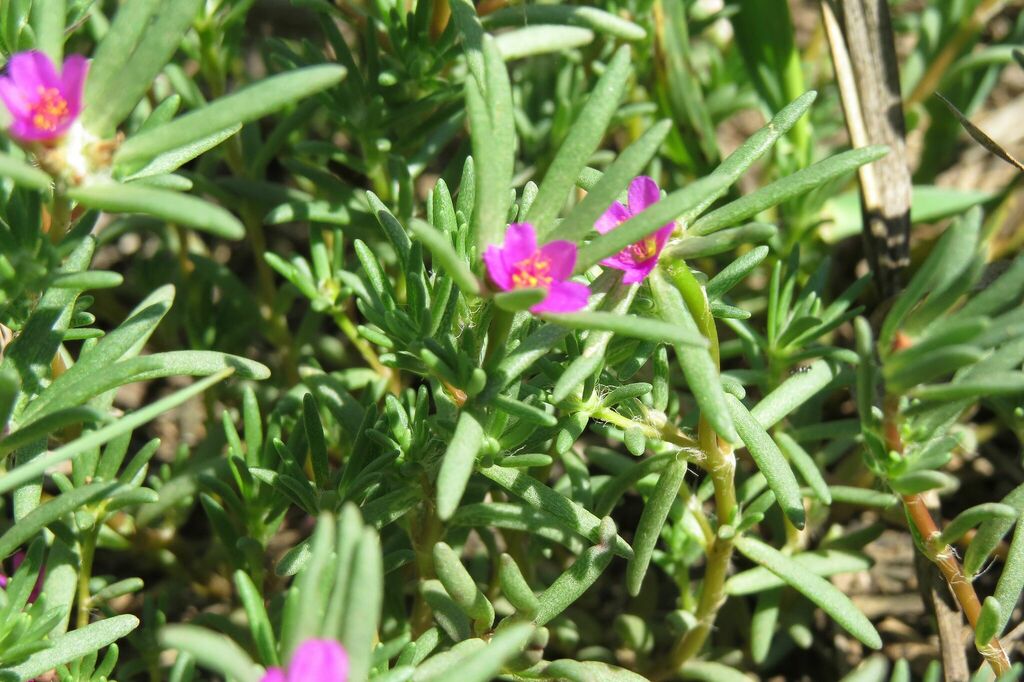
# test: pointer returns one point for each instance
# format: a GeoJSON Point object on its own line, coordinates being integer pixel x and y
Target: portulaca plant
{"type": "Point", "coordinates": [441, 340]}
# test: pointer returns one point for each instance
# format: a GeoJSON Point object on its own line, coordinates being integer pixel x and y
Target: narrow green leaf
{"type": "Point", "coordinates": [23, 174]}
{"type": "Point", "coordinates": [920, 481]}
{"type": "Point", "coordinates": [541, 39]}
{"type": "Point", "coordinates": [735, 272]}
{"type": "Point", "coordinates": [632, 326]}
{"type": "Point", "coordinates": [50, 511]}
{"type": "Point", "coordinates": [29, 471]}
{"type": "Point", "coordinates": [990, 533]}
{"type": "Point", "coordinates": [446, 257]}
{"type": "Point", "coordinates": [698, 366]}
{"type": "Point", "coordinates": [584, 572]}
{"type": "Point", "coordinates": [989, 622]}
{"type": "Point", "coordinates": [1011, 580]}
{"type": "Point", "coordinates": [646, 223]}
{"type": "Point", "coordinates": [515, 588]}
{"type": "Point", "coordinates": [73, 645]}
{"type": "Point", "coordinates": [628, 165]}
{"type": "Point", "coordinates": [171, 206]}
{"type": "Point", "coordinates": [652, 520]}
{"type": "Point", "coordinates": [458, 463]}
{"type": "Point", "coordinates": [786, 188]}
{"type": "Point", "coordinates": [248, 104]}
{"type": "Point", "coordinates": [584, 137]}
{"type": "Point", "coordinates": [821, 562]}
{"type": "Point", "coordinates": [211, 650]}
{"type": "Point", "coordinates": [1007, 383]}
{"type": "Point", "coordinates": [794, 392]}
{"type": "Point", "coordinates": [769, 460]}
{"type": "Point", "coordinates": [589, 17]}
{"type": "Point", "coordinates": [519, 299]}
{"type": "Point", "coordinates": [804, 465]}
{"type": "Point", "coordinates": [817, 589]}
{"type": "Point", "coordinates": [589, 671]}
{"type": "Point", "coordinates": [365, 593]}
{"type": "Point", "coordinates": [175, 158]}
{"type": "Point", "coordinates": [483, 664]}
{"type": "Point", "coordinates": [538, 495]}
{"type": "Point", "coordinates": [462, 588]}
{"type": "Point", "coordinates": [259, 622]}
{"type": "Point", "coordinates": [974, 516]}
{"type": "Point", "coordinates": [711, 671]}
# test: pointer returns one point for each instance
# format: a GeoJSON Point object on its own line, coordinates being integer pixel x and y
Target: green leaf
{"type": "Point", "coordinates": [126, 65]}
{"type": "Point", "coordinates": [175, 158]}
{"type": "Point", "coordinates": [734, 273]}
{"type": "Point", "coordinates": [534, 521]}
{"type": "Point", "coordinates": [632, 326]}
{"type": "Point", "coordinates": [769, 460]}
{"type": "Point", "coordinates": [1011, 580]}
{"type": "Point", "coordinates": [974, 516]}
{"type": "Point", "coordinates": [515, 588]}
{"type": "Point", "coordinates": [538, 495]}
{"type": "Point", "coordinates": [584, 572]}
{"type": "Point", "coordinates": [652, 520]}
{"type": "Point", "coordinates": [534, 40]}
{"type": "Point", "coordinates": [821, 562]}
{"type": "Point", "coordinates": [248, 104]}
{"type": "Point", "coordinates": [42, 427]}
{"type": "Point", "coordinates": [699, 368]}
{"type": "Point", "coordinates": [458, 464]}
{"type": "Point", "coordinates": [462, 588]}
{"type": "Point", "coordinates": [589, 671]}
{"type": "Point", "coordinates": [171, 206]}
{"type": "Point", "coordinates": [817, 589]}
{"type": "Point", "coordinates": [211, 650]}
{"type": "Point", "coordinates": [589, 17]}
{"type": "Point", "coordinates": [915, 482]}
{"type": "Point", "coordinates": [989, 623]}
{"type": "Point", "coordinates": [804, 465]}
{"type": "Point", "coordinates": [50, 511]}
{"type": "Point", "coordinates": [650, 220]}
{"type": "Point", "coordinates": [584, 137]}
{"type": "Point", "coordinates": [31, 470]}
{"type": "Point", "coordinates": [794, 392]}
{"type": "Point", "coordinates": [446, 257]}
{"type": "Point", "coordinates": [990, 533]}
{"type": "Point", "coordinates": [490, 107]}
{"type": "Point", "coordinates": [617, 178]}
{"type": "Point", "coordinates": [73, 645]}
{"type": "Point", "coordinates": [710, 671]}
{"type": "Point", "coordinates": [482, 664]}
{"type": "Point", "coordinates": [786, 188]}
{"type": "Point", "coordinates": [1007, 383]}
{"type": "Point", "coordinates": [256, 614]}
{"type": "Point", "coordinates": [23, 174]}
{"type": "Point", "coordinates": [690, 247]}
{"type": "Point", "coordinates": [365, 596]}
{"type": "Point", "coordinates": [519, 299]}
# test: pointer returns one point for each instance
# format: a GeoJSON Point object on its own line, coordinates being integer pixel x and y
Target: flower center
{"type": "Point", "coordinates": [644, 250]}
{"type": "Point", "coordinates": [50, 110]}
{"type": "Point", "coordinates": [532, 272]}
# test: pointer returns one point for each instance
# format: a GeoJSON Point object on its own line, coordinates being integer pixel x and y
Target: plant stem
{"type": "Point", "coordinates": [87, 551]}
{"type": "Point", "coordinates": [941, 555]}
{"type": "Point", "coordinates": [365, 350]}
{"type": "Point", "coordinates": [720, 463]}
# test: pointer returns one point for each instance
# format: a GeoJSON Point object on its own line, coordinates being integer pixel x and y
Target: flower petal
{"type": "Point", "coordinates": [73, 74]}
{"type": "Point", "coordinates": [500, 273]}
{"type": "Point", "coordinates": [32, 70]}
{"type": "Point", "coordinates": [564, 297]}
{"type": "Point", "coordinates": [612, 218]}
{"type": "Point", "coordinates": [273, 675]}
{"type": "Point", "coordinates": [562, 255]}
{"type": "Point", "coordinates": [520, 242]}
{"type": "Point", "coordinates": [13, 98]}
{"type": "Point", "coordinates": [662, 235]}
{"type": "Point", "coordinates": [318, 660]}
{"type": "Point", "coordinates": [643, 192]}
{"type": "Point", "coordinates": [639, 271]}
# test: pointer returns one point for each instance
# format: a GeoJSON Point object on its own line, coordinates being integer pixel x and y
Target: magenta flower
{"type": "Point", "coordinates": [316, 660]}
{"type": "Point", "coordinates": [520, 264]}
{"type": "Point", "coordinates": [636, 260]}
{"type": "Point", "coordinates": [42, 103]}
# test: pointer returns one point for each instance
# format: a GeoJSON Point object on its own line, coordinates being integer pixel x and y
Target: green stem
{"type": "Point", "coordinates": [87, 551]}
{"type": "Point", "coordinates": [365, 350]}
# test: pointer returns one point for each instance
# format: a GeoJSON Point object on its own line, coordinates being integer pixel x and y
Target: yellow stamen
{"type": "Point", "coordinates": [50, 110]}
{"type": "Point", "coordinates": [532, 272]}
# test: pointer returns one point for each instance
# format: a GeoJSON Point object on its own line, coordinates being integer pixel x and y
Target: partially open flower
{"type": "Point", "coordinates": [315, 660]}
{"type": "Point", "coordinates": [521, 264]}
{"type": "Point", "coordinates": [636, 260]}
{"type": "Point", "coordinates": [43, 103]}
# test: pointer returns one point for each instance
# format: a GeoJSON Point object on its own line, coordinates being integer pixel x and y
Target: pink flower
{"type": "Point", "coordinates": [316, 660]}
{"type": "Point", "coordinates": [42, 103]}
{"type": "Point", "coordinates": [19, 557]}
{"type": "Point", "coordinates": [520, 264]}
{"type": "Point", "coordinates": [636, 260]}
